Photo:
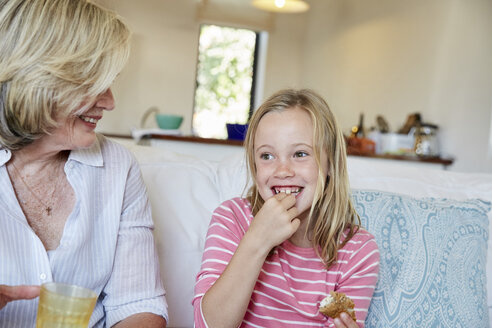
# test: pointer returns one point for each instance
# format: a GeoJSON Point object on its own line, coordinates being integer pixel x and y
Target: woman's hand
{"type": "Point", "coordinates": [13, 293]}
{"type": "Point", "coordinates": [276, 221]}
{"type": "Point", "coordinates": [345, 321]}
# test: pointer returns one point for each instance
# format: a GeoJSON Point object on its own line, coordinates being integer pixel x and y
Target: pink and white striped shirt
{"type": "Point", "coordinates": [293, 280]}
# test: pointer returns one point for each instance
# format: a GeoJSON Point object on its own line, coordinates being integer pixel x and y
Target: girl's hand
{"type": "Point", "coordinates": [276, 221]}
{"type": "Point", "coordinates": [345, 321]}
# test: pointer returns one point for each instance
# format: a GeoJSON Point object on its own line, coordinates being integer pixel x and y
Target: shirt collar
{"type": "Point", "coordinates": [5, 155]}
{"type": "Point", "coordinates": [90, 156]}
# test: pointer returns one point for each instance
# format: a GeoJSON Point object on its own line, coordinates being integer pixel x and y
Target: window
{"type": "Point", "coordinates": [225, 82]}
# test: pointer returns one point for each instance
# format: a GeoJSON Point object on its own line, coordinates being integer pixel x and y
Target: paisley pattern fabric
{"type": "Point", "coordinates": [433, 254]}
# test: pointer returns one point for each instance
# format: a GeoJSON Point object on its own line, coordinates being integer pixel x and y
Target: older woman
{"type": "Point", "coordinates": [73, 206]}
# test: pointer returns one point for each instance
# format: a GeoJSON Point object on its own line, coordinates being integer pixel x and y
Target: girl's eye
{"type": "Point", "coordinates": [300, 154]}
{"type": "Point", "coordinates": [266, 156]}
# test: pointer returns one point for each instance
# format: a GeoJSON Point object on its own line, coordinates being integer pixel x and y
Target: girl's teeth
{"type": "Point", "coordinates": [287, 191]}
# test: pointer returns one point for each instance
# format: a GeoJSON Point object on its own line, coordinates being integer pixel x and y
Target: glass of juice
{"type": "Point", "coordinates": [63, 305]}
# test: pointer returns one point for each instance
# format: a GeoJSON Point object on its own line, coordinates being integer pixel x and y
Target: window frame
{"type": "Point", "coordinates": [258, 68]}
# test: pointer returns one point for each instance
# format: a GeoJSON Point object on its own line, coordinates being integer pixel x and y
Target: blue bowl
{"type": "Point", "coordinates": [236, 131]}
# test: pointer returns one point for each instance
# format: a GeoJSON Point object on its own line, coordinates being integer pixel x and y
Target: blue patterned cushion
{"type": "Point", "coordinates": [433, 254]}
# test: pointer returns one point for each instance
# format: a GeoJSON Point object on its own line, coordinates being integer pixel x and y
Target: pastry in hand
{"type": "Point", "coordinates": [336, 303]}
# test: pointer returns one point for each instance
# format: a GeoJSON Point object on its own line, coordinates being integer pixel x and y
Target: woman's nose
{"type": "Point", "coordinates": [106, 100]}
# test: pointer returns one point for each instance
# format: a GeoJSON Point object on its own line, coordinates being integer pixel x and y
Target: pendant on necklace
{"type": "Point", "coordinates": [48, 210]}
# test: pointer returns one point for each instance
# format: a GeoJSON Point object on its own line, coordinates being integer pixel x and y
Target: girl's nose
{"type": "Point", "coordinates": [284, 170]}
{"type": "Point", "coordinates": [106, 100]}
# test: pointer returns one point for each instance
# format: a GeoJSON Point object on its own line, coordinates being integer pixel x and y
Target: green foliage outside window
{"type": "Point", "coordinates": [224, 79]}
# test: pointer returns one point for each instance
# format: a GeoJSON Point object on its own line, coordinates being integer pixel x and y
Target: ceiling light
{"type": "Point", "coordinates": [282, 6]}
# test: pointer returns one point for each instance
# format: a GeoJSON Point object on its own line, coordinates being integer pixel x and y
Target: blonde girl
{"type": "Point", "coordinates": [270, 258]}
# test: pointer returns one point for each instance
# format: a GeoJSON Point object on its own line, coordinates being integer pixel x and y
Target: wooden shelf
{"type": "Point", "coordinates": [411, 158]}
{"type": "Point", "coordinates": [239, 143]}
{"type": "Point", "coordinates": [181, 138]}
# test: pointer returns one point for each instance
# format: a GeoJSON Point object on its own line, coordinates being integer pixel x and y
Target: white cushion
{"type": "Point", "coordinates": [232, 177]}
{"type": "Point", "coordinates": [183, 193]}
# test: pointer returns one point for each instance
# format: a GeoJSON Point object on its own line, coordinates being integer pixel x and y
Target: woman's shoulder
{"type": "Point", "coordinates": [110, 145]}
{"type": "Point", "coordinates": [113, 151]}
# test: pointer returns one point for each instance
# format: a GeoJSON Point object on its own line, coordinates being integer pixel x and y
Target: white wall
{"type": "Point", "coordinates": [375, 56]}
{"type": "Point", "coordinates": [397, 57]}
{"type": "Point", "coordinates": [161, 70]}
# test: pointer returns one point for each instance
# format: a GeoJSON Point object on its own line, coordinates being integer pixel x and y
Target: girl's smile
{"type": "Point", "coordinates": [284, 157]}
{"type": "Point", "coordinates": [287, 189]}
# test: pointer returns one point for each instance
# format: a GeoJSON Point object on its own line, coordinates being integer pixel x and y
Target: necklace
{"type": "Point", "coordinates": [48, 208]}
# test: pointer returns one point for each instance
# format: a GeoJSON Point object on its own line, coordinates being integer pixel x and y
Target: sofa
{"type": "Point", "coordinates": [432, 227]}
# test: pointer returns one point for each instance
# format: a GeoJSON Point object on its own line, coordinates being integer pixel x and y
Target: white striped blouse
{"type": "Point", "coordinates": [293, 280]}
{"type": "Point", "coordinates": [107, 244]}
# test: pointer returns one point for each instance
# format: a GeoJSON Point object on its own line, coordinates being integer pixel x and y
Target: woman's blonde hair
{"type": "Point", "coordinates": [331, 211]}
{"type": "Point", "coordinates": [55, 57]}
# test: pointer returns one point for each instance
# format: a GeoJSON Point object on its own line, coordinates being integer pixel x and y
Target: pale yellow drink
{"type": "Point", "coordinates": [67, 306]}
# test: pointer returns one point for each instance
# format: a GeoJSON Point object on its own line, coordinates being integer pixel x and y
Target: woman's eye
{"type": "Point", "coordinates": [266, 156]}
{"type": "Point", "coordinates": [300, 154]}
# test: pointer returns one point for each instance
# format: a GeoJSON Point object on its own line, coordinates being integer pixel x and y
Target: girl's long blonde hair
{"type": "Point", "coordinates": [55, 56]}
{"type": "Point", "coordinates": [332, 212]}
